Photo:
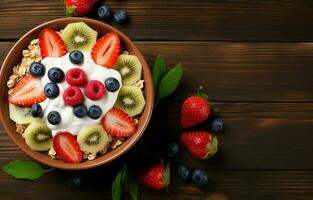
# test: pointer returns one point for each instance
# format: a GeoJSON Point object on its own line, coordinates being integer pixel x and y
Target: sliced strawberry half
{"type": "Point", "coordinates": [27, 92]}
{"type": "Point", "coordinates": [67, 148]}
{"type": "Point", "coordinates": [117, 123]}
{"type": "Point", "coordinates": [51, 44]}
{"type": "Point", "coordinates": [105, 52]}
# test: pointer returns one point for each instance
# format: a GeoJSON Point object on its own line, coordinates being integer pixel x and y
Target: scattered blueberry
{"type": "Point", "coordinates": [120, 16]}
{"type": "Point", "coordinates": [183, 172]}
{"type": "Point", "coordinates": [37, 69]}
{"type": "Point", "coordinates": [36, 110]}
{"type": "Point", "coordinates": [80, 111]}
{"type": "Point", "coordinates": [76, 57]}
{"type": "Point", "coordinates": [94, 112]}
{"type": "Point", "coordinates": [73, 181]}
{"type": "Point", "coordinates": [172, 149]}
{"type": "Point", "coordinates": [217, 125]}
{"type": "Point", "coordinates": [104, 13]}
{"type": "Point", "coordinates": [54, 117]}
{"type": "Point", "coordinates": [112, 84]}
{"type": "Point", "coordinates": [51, 90]}
{"type": "Point", "coordinates": [55, 74]}
{"type": "Point", "coordinates": [199, 176]}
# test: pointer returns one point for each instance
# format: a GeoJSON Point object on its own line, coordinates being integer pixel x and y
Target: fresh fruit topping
{"type": "Point", "coordinates": [54, 117]}
{"type": "Point", "coordinates": [172, 149]}
{"type": "Point", "coordinates": [95, 90]}
{"type": "Point", "coordinates": [155, 177]}
{"type": "Point", "coordinates": [217, 125]}
{"type": "Point", "coordinates": [51, 90]}
{"type": "Point", "coordinates": [199, 176]}
{"type": "Point", "coordinates": [120, 16]}
{"type": "Point", "coordinates": [104, 13]}
{"type": "Point", "coordinates": [130, 99]}
{"type": "Point", "coordinates": [129, 67]}
{"type": "Point", "coordinates": [51, 44]}
{"type": "Point", "coordinates": [55, 74]}
{"type": "Point", "coordinates": [76, 77]}
{"type": "Point", "coordinates": [37, 69]}
{"type": "Point", "coordinates": [117, 123]}
{"type": "Point", "coordinates": [73, 96]}
{"type": "Point", "coordinates": [20, 115]}
{"type": "Point", "coordinates": [92, 139]}
{"type": "Point", "coordinates": [36, 110]}
{"type": "Point", "coordinates": [27, 92]}
{"type": "Point", "coordinates": [73, 181]}
{"type": "Point", "coordinates": [106, 50]}
{"type": "Point", "coordinates": [76, 57]}
{"type": "Point", "coordinates": [38, 136]}
{"type": "Point", "coordinates": [67, 148]}
{"type": "Point", "coordinates": [201, 145]}
{"type": "Point", "coordinates": [80, 111]}
{"type": "Point", "coordinates": [79, 36]}
{"type": "Point", "coordinates": [183, 172]}
{"type": "Point", "coordinates": [78, 7]}
{"type": "Point", "coordinates": [112, 84]}
{"type": "Point", "coordinates": [94, 112]}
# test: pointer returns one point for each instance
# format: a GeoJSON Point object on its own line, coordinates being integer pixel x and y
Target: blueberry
{"type": "Point", "coordinates": [51, 90]}
{"type": "Point", "coordinates": [55, 74]}
{"type": "Point", "coordinates": [217, 125]}
{"type": "Point", "coordinates": [120, 16]}
{"type": "Point", "coordinates": [104, 13]}
{"type": "Point", "coordinates": [199, 176]}
{"type": "Point", "coordinates": [94, 112]}
{"type": "Point", "coordinates": [54, 117]}
{"type": "Point", "coordinates": [183, 172]}
{"type": "Point", "coordinates": [37, 69]}
{"type": "Point", "coordinates": [76, 57]}
{"type": "Point", "coordinates": [73, 181]}
{"type": "Point", "coordinates": [172, 149]}
{"type": "Point", "coordinates": [111, 84]}
{"type": "Point", "coordinates": [80, 111]}
{"type": "Point", "coordinates": [36, 110]}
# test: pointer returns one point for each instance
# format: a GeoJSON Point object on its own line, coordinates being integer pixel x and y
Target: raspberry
{"type": "Point", "coordinates": [73, 96]}
{"type": "Point", "coordinates": [76, 77]}
{"type": "Point", "coordinates": [95, 90]}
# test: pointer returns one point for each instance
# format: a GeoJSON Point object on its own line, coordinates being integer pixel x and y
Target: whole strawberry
{"type": "Point", "coordinates": [155, 176]}
{"type": "Point", "coordinates": [201, 145]}
{"type": "Point", "coordinates": [78, 7]}
{"type": "Point", "coordinates": [195, 109]}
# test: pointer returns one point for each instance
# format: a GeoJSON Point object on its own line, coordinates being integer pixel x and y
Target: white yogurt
{"type": "Point", "coordinates": [69, 121]}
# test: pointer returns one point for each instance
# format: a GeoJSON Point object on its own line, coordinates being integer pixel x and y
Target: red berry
{"type": "Point", "coordinates": [76, 77]}
{"type": "Point", "coordinates": [73, 96]}
{"type": "Point", "coordinates": [95, 90]}
{"type": "Point", "coordinates": [155, 176]}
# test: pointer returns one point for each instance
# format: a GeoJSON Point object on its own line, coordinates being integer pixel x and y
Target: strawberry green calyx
{"type": "Point", "coordinates": [212, 148]}
{"type": "Point", "coordinates": [167, 175]}
{"type": "Point", "coordinates": [69, 11]}
{"type": "Point", "coordinates": [202, 94]}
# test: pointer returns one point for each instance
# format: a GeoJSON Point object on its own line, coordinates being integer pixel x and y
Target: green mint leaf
{"type": "Point", "coordinates": [159, 70]}
{"type": "Point", "coordinates": [130, 184]}
{"type": "Point", "coordinates": [170, 81]}
{"type": "Point", "coordinates": [24, 169]}
{"type": "Point", "coordinates": [117, 187]}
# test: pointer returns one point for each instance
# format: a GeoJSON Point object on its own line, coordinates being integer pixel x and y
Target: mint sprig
{"type": "Point", "coordinates": [124, 180]}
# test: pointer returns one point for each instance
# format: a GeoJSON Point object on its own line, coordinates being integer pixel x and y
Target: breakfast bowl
{"type": "Point", "coordinates": [115, 145]}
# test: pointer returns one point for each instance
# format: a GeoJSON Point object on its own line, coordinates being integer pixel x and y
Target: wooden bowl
{"type": "Point", "coordinates": [14, 57]}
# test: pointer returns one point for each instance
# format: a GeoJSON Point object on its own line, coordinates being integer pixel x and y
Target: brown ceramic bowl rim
{"type": "Point", "coordinates": [149, 96]}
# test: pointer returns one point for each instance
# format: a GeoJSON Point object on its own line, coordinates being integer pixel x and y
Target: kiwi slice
{"type": "Point", "coordinates": [129, 67]}
{"type": "Point", "coordinates": [92, 139]}
{"type": "Point", "coordinates": [130, 99]}
{"type": "Point", "coordinates": [20, 115]}
{"type": "Point", "coordinates": [79, 36]}
{"type": "Point", "coordinates": [38, 136]}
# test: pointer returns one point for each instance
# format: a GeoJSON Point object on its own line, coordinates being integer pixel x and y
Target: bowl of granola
{"type": "Point", "coordinates": [76, 93]}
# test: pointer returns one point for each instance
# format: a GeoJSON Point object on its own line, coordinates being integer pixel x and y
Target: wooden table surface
{"type": "Point", "coordinates": [255, 60]}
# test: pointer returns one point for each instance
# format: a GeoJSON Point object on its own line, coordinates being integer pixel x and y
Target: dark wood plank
{"type": "Point", "coordinates": [237, 71]}
{"type": "Point", "coordinates": [288, 20]}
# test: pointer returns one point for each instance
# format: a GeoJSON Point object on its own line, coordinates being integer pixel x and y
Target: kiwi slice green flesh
{"type": "Point", "coordinates": [129, 67]}
{"type": "Point", "coordinates": [20, 115]}
{"type": "Point", "coordinates": [92, 139]}
{"type": "Point", "coordinates": [79, 36]}
{"type": "Point", "coordinates": [38, 136]}
{"type": "Point", "coordinates": [131, 100]}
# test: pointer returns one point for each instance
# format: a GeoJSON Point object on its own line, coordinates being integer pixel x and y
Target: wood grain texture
{"type": "Point", "coordinates": [287, 20]}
